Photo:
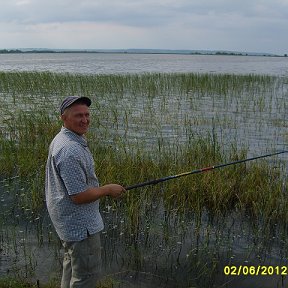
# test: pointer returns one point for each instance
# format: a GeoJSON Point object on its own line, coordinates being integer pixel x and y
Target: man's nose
{"type": "Point", "coordinates": [85, 119]}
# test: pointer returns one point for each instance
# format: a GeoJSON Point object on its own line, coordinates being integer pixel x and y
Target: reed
{"type": "Point", "coordinates": [155, 101]}
{"type": "Point", "coordinates": [19, 283]}
{"type": "Point", "coordinates": [145, 127]}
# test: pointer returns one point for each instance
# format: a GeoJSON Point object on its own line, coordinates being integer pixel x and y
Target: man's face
{"type": "Point", "coordinates": [77, 118]}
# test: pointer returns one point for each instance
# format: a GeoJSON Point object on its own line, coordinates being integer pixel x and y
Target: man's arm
{"type": "Point", "coordinates": [95, 193]}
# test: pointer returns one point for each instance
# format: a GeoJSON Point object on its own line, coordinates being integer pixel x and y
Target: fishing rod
{"type": "Point", "coordinates": [156, 181]}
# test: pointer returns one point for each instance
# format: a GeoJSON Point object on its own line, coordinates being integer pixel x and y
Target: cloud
{"type": "Point", "coordinates": [182, 24]}
{"type": "Point", "coordinates": [134, 13]}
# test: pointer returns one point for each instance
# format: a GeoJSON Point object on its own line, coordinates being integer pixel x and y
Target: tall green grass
{"type": "Point", "coordinates": [145, 127]}
{"type": "Point", "coordinates": [134, 117]}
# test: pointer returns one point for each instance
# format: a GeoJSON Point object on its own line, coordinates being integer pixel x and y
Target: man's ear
{"type": "Point", "coordinates": [63, 117]}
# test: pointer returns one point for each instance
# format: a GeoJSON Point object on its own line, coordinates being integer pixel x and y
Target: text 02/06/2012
{"type": "Point", "coordinates": [255, 270]}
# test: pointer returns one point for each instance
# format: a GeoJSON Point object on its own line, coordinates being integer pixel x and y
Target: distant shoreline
{"type": "Point", "coordinates": [137, 51]}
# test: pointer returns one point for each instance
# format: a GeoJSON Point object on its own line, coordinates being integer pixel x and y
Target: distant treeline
{"type": "Point", "coordinates": [4, 51]}
{"type": "Point", "coordinates": [14, 51]}
{"type": "Point", "coordinates": [137, 51]}
{"type": "Point", "coordinates": [232, 53]}
{"type": "Point", "coordinates": [243, 54]}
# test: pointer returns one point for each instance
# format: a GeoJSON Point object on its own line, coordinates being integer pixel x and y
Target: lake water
{"type": "Point", "coordinates": [106, 63]}
{"type": "Point", "coordinates": [167, 245]}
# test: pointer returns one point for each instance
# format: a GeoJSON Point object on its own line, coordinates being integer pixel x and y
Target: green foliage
{"type": "Point", "coordinates": [145, 127]}
{"type": "Point", "coordinates": [123, 133]}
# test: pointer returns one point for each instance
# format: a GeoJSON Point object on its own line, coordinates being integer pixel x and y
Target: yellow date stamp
{"type": "Point", "coordinates": [255, 270]}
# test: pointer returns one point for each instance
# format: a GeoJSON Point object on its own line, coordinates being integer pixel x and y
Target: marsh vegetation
{"type": "Point", "coordinates": [146, 126]}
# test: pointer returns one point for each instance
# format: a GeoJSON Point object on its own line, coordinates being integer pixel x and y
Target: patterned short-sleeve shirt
{"type": "Point", "coordinates": [69, 171]}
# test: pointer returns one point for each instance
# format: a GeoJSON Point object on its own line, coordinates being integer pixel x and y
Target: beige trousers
{"type": "Point", "coordinates": [82, 263]}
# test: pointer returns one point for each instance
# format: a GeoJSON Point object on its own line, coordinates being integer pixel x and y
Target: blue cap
{"type": "Point", "coordinates": [68, 101]}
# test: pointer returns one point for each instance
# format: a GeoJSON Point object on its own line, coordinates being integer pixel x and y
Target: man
{"type": "Point", "coordinates": [72, 195]}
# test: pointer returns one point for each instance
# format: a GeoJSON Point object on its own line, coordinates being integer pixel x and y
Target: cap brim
{"type": "Point", "coordinates": [84, 100]}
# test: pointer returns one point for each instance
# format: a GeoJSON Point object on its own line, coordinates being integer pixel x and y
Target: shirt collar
{"type": "Point", "coordinates": [74, 136]}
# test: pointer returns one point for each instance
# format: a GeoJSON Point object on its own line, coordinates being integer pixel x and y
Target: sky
{"type": "Point", "coordinates": [233, 25]}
